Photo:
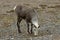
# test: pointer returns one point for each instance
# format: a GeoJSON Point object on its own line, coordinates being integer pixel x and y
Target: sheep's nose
{"type": "Point", "coordinates": [35, 31]}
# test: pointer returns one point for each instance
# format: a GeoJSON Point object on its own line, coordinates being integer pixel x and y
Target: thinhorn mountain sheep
{"type": "Point", "coordinates": [29, 14]}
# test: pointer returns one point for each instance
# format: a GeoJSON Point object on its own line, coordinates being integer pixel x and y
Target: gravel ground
{"type": "Point", "coordinates": [49, 20]}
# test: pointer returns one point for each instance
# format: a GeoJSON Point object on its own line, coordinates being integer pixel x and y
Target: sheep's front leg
{"type": "Point", "coordinates": [31, 28]}
{"type": "Point", "coordinates": [28, 28]}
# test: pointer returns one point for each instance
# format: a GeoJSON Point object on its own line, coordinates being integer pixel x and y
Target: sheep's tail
{"type": "Point", "coordinates": [12, 10]}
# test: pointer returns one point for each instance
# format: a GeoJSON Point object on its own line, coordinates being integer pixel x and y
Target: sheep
{"type": "Point", "coordinates": [29, 14]}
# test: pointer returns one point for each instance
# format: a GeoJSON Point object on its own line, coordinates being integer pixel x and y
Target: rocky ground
{"type": "Point", "coordinates": [49, 20]}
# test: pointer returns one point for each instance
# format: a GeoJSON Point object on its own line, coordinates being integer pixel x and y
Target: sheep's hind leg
{"type": "Point", "coordinates": [18, 22]}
